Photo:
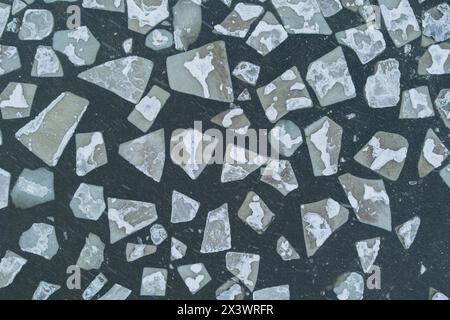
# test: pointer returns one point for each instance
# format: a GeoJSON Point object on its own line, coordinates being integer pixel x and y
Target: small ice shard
{"type": "Point", "coordinates": [40, 239]}
{"type": "Point", "coordinates": [79, 45]}
{"type": "Point", "coordinates": [365, 40]}
{"type": "Point", "coordinates": [244, 95]}
{"type": "Point", "coordinates": [436, 60]}
{"type": "Point", "coordinates": [146, 153]}
{"type": "Point", "coordinates": [202, 72]}
{"type": "Point", "coordinates": [154, 282]}
{"type": "Point", "coordinates": [145, 112]}
{"type": "Point", "coordinates": [367, 252]}
{"type": "Point", "coordinates": [5, 181]}
{"type": "Point", "coordinates": [267, 35]}
{"type": "Point", "coordinates": [187, 23]}
{"type": "Point", "coordinates": [126, 77]}
{"type": "Point", "coordinates": [382, 89]}
{"type": "Point", "coordinates": [91, 152]}
{"type": "Point", "coordinates": [423, 269]}
{"type": "Point", "coordinates": [302, 16]}
{"type": "Point", "coordinates": [286, 250]}
{"type": "Point", "coordinates": [159, 39]}
{"type": "Point", "coordinates": [10, 266]}
{"type": "Point", "coordinates": [239, 163]}
{"type": "Point", "coordinates": [94, 287]}
{"type": "Point", "coordinates": [91, 256]}
{"type": "Point", "coordinates": [436, 295]}
{"type": "Point", "coordinates": [442, 104]}
{"type": "Point", "coordinates": [330, 79]}
{"type": "Point", "coordinates": [144, 15]}
{"type": "Point", "coordinates": [445, 175]}
{"type": "Point", "coordinates": [354, 5]}
{"type": "Point", "coordinates": [88, 202]}
{"type": "Point", "coordinates": [400, 21]}
{"type": "Point", "coordinates": [46, 63]}
{"type": "Point", "coordinates": [33, 187]}
{"type": "Point", "coordinates": [117, 291]}
{"type": "Point", "coordinates": [184, 208]}
{"type": "Point", "coordinates": [5, 11]}
{"type": "Point", "coordinates": [385, 154]}
{"type": "Point", "coordinates": [407, 232]}
{"type": "Point", "coordinates": [416, 104]}
{"type": "Point", "coordinates": [230, 290]}
{"type": "Point", "coordinates": [37, 24]}
{"type": "Point", "coordinates": [285, 137]}
{"type": "Point", "coordinates": [349, 286]}
{"type": "Point", "coordinates": [323, 139]}
{"type": "Point", "coordinates": [128, 216]}
{"type": "Point", "coordinates": [320, 219]}
{"type": "Point", "coordinates": [433, 154]}
{"type": "Point", "coordinates": [233, 119]}
{"type": "Point", "coordinates": [158, 233]}
{"type": "Point", "coordinates": [13, 26]}
{"type": "Point", "coordinates": [17, 6]}
{"type": "Point", "coordinates": [272, 293]}
{"type": "Point", "coordinates": [227, 2]}
{"type": "Point", "coordinates": [247, 72]}
{"type": "Point", "coordinates": [45, 290]}
{"type": "Point", "coordinates": [280, 175]}
{"type": "Point", "coordinates": [436, 24]}
{"type": "Point", "coordinates": [177, 249]}
{"type": "Point", "coordinates": [245, 266]}
{"type": "Point", "coordinates": [107, 5]}
{"type": "Point", "coordinates": [255, 213]}
{"type": "Point", "coordinates": [127, 45]}
{"type": "Point", "coordinates": [217, 233]}
{"type": "Point", "coordinates": [368, 199]}
{"type": "Point", "coordinates": [329, 7]}
{"type": "Point", "coordinates": [195, 276]}
{"type": "Point", "coordinates": [239, 21]}
{"type": "Point", "coordinates": [9, 59]}
{"type": "Point", "coordinates": [136, 251]}
{"type": "Point", "coordinates": [16, 100]}
{"type": "Point", "coordinates": [286, 93]}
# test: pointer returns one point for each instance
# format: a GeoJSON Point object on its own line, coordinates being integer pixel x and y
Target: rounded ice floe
{"type": "Point", "coordinates": [285, 137]}
{"type": "Point", "coordinates": [436, 60]}
{"type": "Point", "coordinates": [159, 39]}
{"type": "Point", "coordinates": [382, 89]}
{"type": "Point", "coordinates": [37, 24]}
{"type": "Point", "coordinates": [158, 233]}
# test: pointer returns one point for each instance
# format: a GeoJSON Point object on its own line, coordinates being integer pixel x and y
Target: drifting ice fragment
{"type": "Point", "coordinates": [416, 104]}
{"type": "Point", "coordinates": [349, 286]}
{"type": "Point", "coordinates": [94, 287]}
{"type": "Point", "coordinates": [159, 39]}
{"type": "Point", "coordinates": [195, 276]}
{"type": "Point", "coordinates": [382, 89]}
{"type": "Point", "coordinates": [244, 95]}
{"type": "Point", "coordinates": [245, 266]}
{"type": "Point", "coordinates": [368, 252]}
{"type": "Point", "coordinates": [16, 100]}
{"type": "Point", "coordinates": [433, 154]}
{"type": "Point", "coordinates": [280, 175]}
{"type": "Point", "coordinates": [286, 250]}
{"type": "Point", "coordinates": [187, 23]}
{"type": "Point", "coordinates": [255, 213]}
{"type": "Point", "coordinates": [238, 22]}
{"type": "Point", "coordinates": [91, 152]}
{"type": "Point", "coordinates": [233, 119]}
{"type": "Point", "coordinates": [40, 239]}
{"type": "Point", "coordinates": [107, 5]}
{"type": "Point", "coordinates": [436, 24]}
{"type": "Point", "coordinates": [5, 180]}
{"type": "Point", "coordinates": [407, 231]}
{"type": "Point", "coordinates": [33, 187]}
{"type": "Point", "coordinates": [10, 266]}
{"type": "Point", "coordinates": [45, 290]}
{"type": "Point", "coordinates": [442, 104]}
{"type": "Point", "coordinates": [136, 251]}
{"type": "Point", "coordinates": [127, 45]}
{"type": "Point", "coordinates": [9, 59]}
{"type": "Point", "coordinates": [46, 63]}
{"type": "Point", "coordinates": [37, 24]}
{"type": "Point", "coordinates": [88, 202]}
{"type": "Point", "coordinates": [217, 233]}
{"type": "Point", "coordinates": [239, 163]}
{"type": "Point", "coordinates": [154, 282]}
{"type": "Point", "coordinates": [177, 249]}
{"type": "Point", "coordinates": [247, 72]}
{"type": "Point", "coordinates": [91, 256]}
{"type": "Point", "coordinates": [143, 15]}
{"type": "Point", "coordinates": [436, 60]}
{"type": "Point", "coordinates": [230, 290]}
{"type": "Point", "coordinates": [117, 292]}
{"type": "Point", "coordinates": [329, 7]}
{"type": "Point", "coordinates": [184, 208]}
{"type": "Point", "coordinates": [272, 293]}
{"type": "Point", "coordinates": [436, 295]}
{"type": "Point", "coordinates": [158, 234]}
{"type": "Point", "coordinates": [285, 137]}
{"type": "Point", "coordinates": [267, 35]}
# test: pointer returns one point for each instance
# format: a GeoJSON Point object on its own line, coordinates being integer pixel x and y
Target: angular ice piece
{"type": "Point", "coordinates": [245, 266]}
{"type": "Point", "coordinates": [145, 112]}
{"type": "Point", "coordinates": [217, 233]}
{"type": "Point", "coordinates": [442, 104]}
{"type": "Point", "coordinates": [445, 175]}
{"type": "Point", "coordinates": [367, 252]}
{"type": "Point", "coordinates": [302, 16]}
{"type": "Point", "coordinates": [46, 63]}
{"type": "Point", "coordinates": [33, 187]}
{"type": "Point", "coordinates": [247, 72]}
{"type": "Point", "coordinates": [436, 295]}
{"type": "Point", "coordinates": [320, 219]}
{"type": "Point", "coordinates": [94, 287]}
{"type": "Point", "coordinates": [416, 104]}
{"type": "Point", "coordinates": [349, 286]}
{"type": "Point", "coordinates": [385, 153]}
{"type": "Point", "coordinates": [154, 282]}
{"type": "Point", "coordinates": [128, 216]}
{"type": "Point", "coordinates": [184, 208]}
{"type": "Point", "coordinates": [127, 45]}
{"type": "Point", "coordinates": [239, 21]}
{"type": "Point", "coordinates": [230, 290]}
{"type": "Point", "coordinates": [371, 14]}
{"type": "Point", "coordinates": [323, 138]}
{"type": "Point", "coordinates": [127, 77]}
{"type": "Point", "coordinates": [5, 11]}
{"type": "Point", "coordinates": [16, 100]}
{"type": "Point", "coordinates": [368, 199]}
{"type": "Point", "coordinates": [37, 24]}
{"type": "Point", "coordinates": [382, 89]}
{"type": "Point", "coordinates": [146, 153]}
{"type": "Point", "coordinates": [285, 137]}
{"type": "Point", "coordinates": [117, 292]}
{"type": "Point", "coordinates": [17, 6]}
{"type": "Point", "coordinates": [5, 181]}
{"type": "Point", "coordinates": [88, 202]}
{"type": "Point", "coordinates": [159, 39]}
{"type": "Point", "coordinates": [107, 5]}
{"type": "Point", "coordinates": [91, 256]}
{"type": "Point", "coordinates": [91, 152]}
{"type": "Point", "coordinates": [137, 251]}
{"type": "Point", "coordinates": [329, 7]}
{"type": "Point", "coordinates": [195, 276]}
{"type": "Point", "coordinates": [330, 79]}
{"type": "Point", "coordinates": [233, 119]}
{"type": "Point", "coordinates": [354, 5]}
{"type": "Point", "coordinates": [45, 290]}
{"type": "Point", "coordinates": [433, 154]}
{"type": "Point", "coordinates": [286, 93]}
{"type": "Point", "coordinates": [158, 233]}
{"type": "Point", "coordinates": [9, 59]}
{"type": "Point", "coordinates": [244, 95]}
{"type": "Point", "coordinates": [48, 134]}
{"type": "Point", "coordinates": [79, 45]}
{"type": "Point", "coordinates": [177, 249]}
{"type": "Point", "coordinates": [267, 35]}
{"type": "Point", "coordinates": [143, 15]}
{"type": "Point", "coordinates": [272, 293]}
{"type": "Point", "coordinates": [10, 266]}
{"type": "Point", "coordinates": [286, 250]}
{"type": "Point", "coordinates": [40, 239]}
{"type": "Point", "coordinates": [239, 163]}
{"type": "Point", "coordinates": [187, 23]}
{"type": "Point", "coordinates": [202, 72]}
{"type": "Point", "coordinates": [436, 24]}
{"type": "Point", "coordinates": [407, 231]}
{"type": "Point", "coordinates": [280, 175]}
{"type": "Point", "coordinates": [400, 21]}
{"type": "Point", "coordinates": [436, 60]}
{"type": "Point", "coordinates": [255, 213]}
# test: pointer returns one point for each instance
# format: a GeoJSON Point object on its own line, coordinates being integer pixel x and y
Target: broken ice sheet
{"type": "Point", "coordinates": [46, 63]}
{"type": "Point", "coordinates": [136, 251]}
{"type": "Point", "coordinates": [202, 72]}
{"type": "Point", "coordinates": [107, 5]}
{"type": "Point", "coordinates": [436, 60]}
{"type": "Point", "coordinates": [187, 23]}
{"type": "Point", "coordinates": [320, 219]}
{"type": "Point", "coordinates": [154, 282]}
{"type": "Point", "coordinates": [416, 104]}
{"type": "Point", "coordinates": [285, 137]}
{"type": "Point", "coordinates": [368, 199]}
{"type": "Point", "coordinates": [16, 100]}
{"type": "Point", "coordinates": [91, 256]}
{"type": "Point", "coordinates": [128, 216]}
{"type": "Point", "coordinates": [177, 249]}
{"type": "Point", "coordinates": [247, 72]}
{"type": "Point", "coordinates": [143, 15]}
{"type": "Point", "coordinates": [367, 252]}
{"type": "Point", "coordinates": [230, 290]}
{"type": "Point", "coordinates": [233, 119]}
{"type": "Point", "coordinates": [45, 290]}
{"type": "Point", "coordinates": [329, 7]}
{"type": "Point", "coordinates": [184, 208]}
{"type": "Point", "coordinates": [245, 266]}
{"type": "Point", "coordinates": [126, 77]}
{"type": "Point", "coordinates": [5, 11]}
{"type": "Point", "coordinates": [37, 24]}
{"type": "Point", "coordinates": [285, 93]}
{"type": "Point", "coordinates": [330, 78]}
{"type": "Point", "coordinates": [5, 180]}
{"type": "Point", "coordinates": [407, 231]}
{"type": "Point", "coordinates": [217, 233]}
{"type": "Point", "coordinates": [9, 59]}
{"type": "Point", "coordinates": [158, 234]}
{"type": "Point", "coordinates": [117, 292]}
{"type": "Point", "coordinates": [272, 293]}
{"type": "Point", "coordinates": [433, 154]}
{"type": "Point", "coordinates": [442, 104]}
{"type": "Point", "coordinates": [159, 39]}
{"type": "Point", "coordinates": [385, 153]}
{"type": "Point", "coordinates": [349, 286]}
{"type": "Point", "coordinates": [280, 175]}
{"type": "Point", "coordinates": [91, 152]}
{"type": "Point", "coordinates": [88, 202]}
{"type": "Point", "coordinates": [285, 250]}
{"type": "Point", "coordinates": [436, 24]}
{"type": "Point", "coordinates": [238, 22]}
{"type": "Point", "coordinates": [94, 287]}
{"type": "Point", "coordinates": [255, 213]}
{"type": "Point", "coordinates": [239, 163]}
{"type": "Point", "coordinates": [48, 134]}
{"type": "Point", "coordinates": [40, 239]}
{"type": "Point", "coordinates": [195, 276]}
{"type": "Point", "coordinates": [33, 187]}
{"type": "Point", "coordinates": [10, 266]}
{"type": "Point", "coordinates": [382, 89]}
{"type": "Point", "coordinates": [267, 35]}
